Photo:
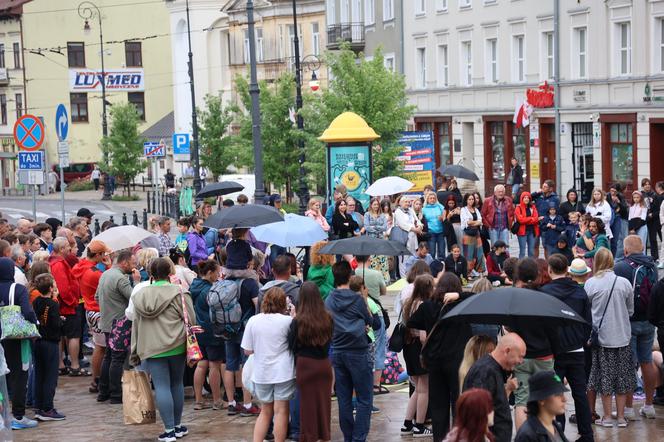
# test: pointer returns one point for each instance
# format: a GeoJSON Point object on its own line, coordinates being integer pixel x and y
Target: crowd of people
{"type": "Point", "coordinates": [306, 333]}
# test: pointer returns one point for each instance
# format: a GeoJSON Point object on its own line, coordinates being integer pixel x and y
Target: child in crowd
{"type": "Point", "coordinates": [572, 226]}
{"type": "Point", "coordinates": [550, 227]}
{"type": "Point", "coordinates": [495, 263]}
{"type": "Point", "coordinates": [563, 247]}
{"type": "Point", "coordinates": [46, 348]}
{"type": "Point", "coordinates": [456, 263]}
{"type": "Point", "coordinates": [240, 257]}
{"type": "Point", "coordinates": [181, 243]}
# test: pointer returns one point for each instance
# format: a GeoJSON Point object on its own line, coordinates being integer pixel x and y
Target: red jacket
{"type": "Point", "coordinates": [87, 276]}
{"type": "Point", "coordinates": [67, 285]}
{"type": "Point", "coordinates": [523, 220]}
{"type": "Point", "coordinates": [489, 211]}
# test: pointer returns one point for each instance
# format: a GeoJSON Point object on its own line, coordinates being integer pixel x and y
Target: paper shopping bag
{"type": "Point", "coordinates": [137, 401]}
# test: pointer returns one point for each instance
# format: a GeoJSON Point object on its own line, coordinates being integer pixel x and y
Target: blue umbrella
{"type": "Point", "coordinates": [294, 231]}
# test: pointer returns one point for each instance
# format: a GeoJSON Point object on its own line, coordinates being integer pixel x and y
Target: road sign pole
{"type": "Point", "coordinates": [62, 192]}
{"type": "Point", "coordinates": [34, 203]}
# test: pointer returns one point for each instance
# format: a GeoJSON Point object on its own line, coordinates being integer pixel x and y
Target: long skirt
{"type": "Point", "coordinates": [314, 381]}
{"type": "Point", "coordinates": [380, 263]}
{"type": "Point", "coordinates": [473, 252]}
{"type": "Point", "coordinates": [612, 371]}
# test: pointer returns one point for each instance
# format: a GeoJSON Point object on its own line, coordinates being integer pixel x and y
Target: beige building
{"type": "Point", "coordinates": [62, 58]}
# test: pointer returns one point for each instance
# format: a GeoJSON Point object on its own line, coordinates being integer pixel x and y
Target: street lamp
{"type": "Point", "coordinates": [195, 157]}
{"type": "Point", "coordinates": [87, 11]}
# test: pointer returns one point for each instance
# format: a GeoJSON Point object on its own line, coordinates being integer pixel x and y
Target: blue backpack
{"type": "Point", "coordinates": [645, 278]}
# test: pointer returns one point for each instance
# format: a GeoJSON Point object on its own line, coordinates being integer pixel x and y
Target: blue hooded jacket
{"type": "Point", "coordinates": [199, 290]}
{"type": "Point", "coordinates": [21, 296]}
{"type": "Point", "coordinates": [351, 316]}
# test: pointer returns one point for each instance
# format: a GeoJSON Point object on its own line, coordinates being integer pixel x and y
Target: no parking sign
{"type": "Point", "coordinates": [29, 132]}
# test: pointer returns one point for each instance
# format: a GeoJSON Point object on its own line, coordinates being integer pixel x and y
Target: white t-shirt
{"type": "Point", "coordinates": [266, 334]}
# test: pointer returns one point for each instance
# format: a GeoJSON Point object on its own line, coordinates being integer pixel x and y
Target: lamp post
{"type": "Point", "coordinates": [195, 157]}
{"type": "Point", "coordinates": [87, 11]}
{"type": "Point", "coordinates": [254, 92]}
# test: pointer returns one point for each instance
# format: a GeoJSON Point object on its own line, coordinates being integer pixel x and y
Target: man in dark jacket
{"type": "Point", "coordinates": [353, 369]}
{"type": "Point", "coordinates": [656, 318]}
{"type": "Point", "coordinates": [543, 200]}
{"type": "Point", "coordinates": [17, 378]}
{"type": "Point", "coordinates": [643, 332]}
{"type": "Point", "coordinates": [570, 363]}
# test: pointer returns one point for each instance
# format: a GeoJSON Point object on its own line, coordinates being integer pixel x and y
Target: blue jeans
{"type": "Point", "coordinates": [168, 376]}
{"type": "Point", "coordinates": [353, 371]}
{"type": "Point", "coordinates": [515, 189]}
{"type": "Point", "coordinates": [437, 240]}
{"type": "Point", "coordinates": [502, 234]}
{"type": "Point", "coordinates": [46, 355]}
{"type": "Point", "coordinates": [526, 240]}
{"type": "Point", "coordinates": [294, 408]}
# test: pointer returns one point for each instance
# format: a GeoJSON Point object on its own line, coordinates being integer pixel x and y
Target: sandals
{"type": "Point", "coordinates": [76, 372]}
{"type": "Point", "coordinates": [380, 389]}
{"type": "Point", "coordinates": [601, 422]}
{"type": "Point", "coordinates": [201, 405]}
{"type": "Point", "coordinates": [63, 371]}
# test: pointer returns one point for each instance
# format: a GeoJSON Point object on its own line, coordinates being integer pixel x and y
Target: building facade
{"type": "Point", "coordinates": [368, 25]}
{"type": "Point", "coordinates": [63, 55]}
{"type": "Point", "coordinates": [469, 63]}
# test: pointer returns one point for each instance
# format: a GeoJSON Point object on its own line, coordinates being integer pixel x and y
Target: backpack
{"type": "Point", "coordinates": [645, 277]}
{"type": "Point", "coordinates": [225, 310]}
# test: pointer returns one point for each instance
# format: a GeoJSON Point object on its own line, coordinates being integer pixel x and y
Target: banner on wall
{"type": "Point", "coordinates": [117, 80]}
{"type": "Point", "coordinates": [350, 166]}
{"type": "Point", "coordinates": [417, 157]}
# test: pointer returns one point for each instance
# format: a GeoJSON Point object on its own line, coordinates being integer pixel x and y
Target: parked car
{"type": "Point", "coordinates": [75, 171]}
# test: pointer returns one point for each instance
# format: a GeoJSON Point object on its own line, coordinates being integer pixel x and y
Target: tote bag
{"type": "Point", "coordinates": [14, 325]}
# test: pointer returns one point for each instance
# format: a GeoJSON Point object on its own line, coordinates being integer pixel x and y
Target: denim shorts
{"type": "Point", "coordinates": [643, 338]}
{"type": "Point", "coordinates": [234, 355]}
{"type": "Point", "coordinates": [380, 348]}
{"type": "Point", "coordinates": [266, 393]}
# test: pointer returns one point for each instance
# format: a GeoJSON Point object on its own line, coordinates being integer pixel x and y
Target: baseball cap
{"type": "Point", "coordinates": [85, 213]}
{"type": "Point", "coordinates": [97, 246]}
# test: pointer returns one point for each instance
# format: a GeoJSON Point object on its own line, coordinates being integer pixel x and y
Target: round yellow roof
{"type": "Point", "coordinates": [348, 127]}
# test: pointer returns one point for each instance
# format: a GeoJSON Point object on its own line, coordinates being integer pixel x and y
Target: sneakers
{"type": "Point", "coordinates": [167, 437]}
{"type": "Point", "coordinates": [374, 409]}
{"type": "Point", "coordinates": [601, 422]}
{"type": "Point", "coordinates": [249, 412]}
{"type": "Point", "coordinates": [647, 412]}
{"type": "Point", "coordinates": [422, 431]}
{"type": "Point", "coordinates": [234, 409]}
{"type": "Point", "coordinates": [23, 423]}
{"type": "Point", "coordinates": [661, 265]}
{"type": "Point", "coordinates": [407, 428]}
{"type": "Point", "coordinates": [181, 431]}
{"type": "Point", "coordinates": [629, 415]}
{"type": "Point", "coordinates": [622, 423]}
{"type": "Point", "coordinates": [51, 415]}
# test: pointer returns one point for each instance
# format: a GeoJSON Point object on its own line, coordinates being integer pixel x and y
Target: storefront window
{"type": "Point", "coordinates": [444, 143]}
{"type": "Point", "coordinates": [498, 151]}
{"type": "Point", "coordinates": [622, 152]}
{"type": "Point", "coordinates": [519, 142]}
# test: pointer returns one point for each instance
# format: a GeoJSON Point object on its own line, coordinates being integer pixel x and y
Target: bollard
{"type": "Point", "coordinates": [124, 218]}
{"type": "Point", "coordinates": [134, 218]}
{"type": "Point", "coordinates": [148, 195]}
{"type": "Point", "coordinates": [145, 219]}
{"type": "Point", "coordinates": [177, 207]}
{"type": "Point", "coordinates": [110, 218]}
{"type": "Point", "coordinates": [163, 204]}
{"type": "Point", "coordinates": [97, 228]}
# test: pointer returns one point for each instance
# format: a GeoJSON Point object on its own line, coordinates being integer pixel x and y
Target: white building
{"type": "Point", "coordinates": [468, 63]}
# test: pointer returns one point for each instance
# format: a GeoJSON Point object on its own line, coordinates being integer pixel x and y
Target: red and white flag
{"type": "Point", "coordinates": [522, 113]}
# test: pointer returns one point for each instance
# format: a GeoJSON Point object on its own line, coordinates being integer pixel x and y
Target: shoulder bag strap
{"type": "Point", "coordinates": [184, 310]}
{"type": "Point", "coordinates": [12, 291]}
{"type": "Point", "coordinates": [607, 303]}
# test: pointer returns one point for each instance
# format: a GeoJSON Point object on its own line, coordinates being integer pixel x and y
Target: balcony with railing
{"type": "Point", "coordinates": [352, 33]}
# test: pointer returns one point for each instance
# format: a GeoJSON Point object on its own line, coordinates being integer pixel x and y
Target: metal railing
{"type": "Point", "coordinates": [352, 33]}
{"type": "Point", "coordinates": [125, 221]}
{"type": "Point", "coordinates": [164, 203]}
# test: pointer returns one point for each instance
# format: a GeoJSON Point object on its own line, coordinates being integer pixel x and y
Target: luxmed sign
{"type": "Point", "coordinates": [118, 80]}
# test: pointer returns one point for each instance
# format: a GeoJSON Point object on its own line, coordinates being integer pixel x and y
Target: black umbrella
{"type": "Point", "coordinates": [217, 189]}
{"type": "Point", "coordinates": [250, 215]}
{"type": "Point", "coordinates": [364, 245]}
{"type": "Point", "coordinates": [514, 307]}
{"type": "Point", "coordinates": [458, 171]}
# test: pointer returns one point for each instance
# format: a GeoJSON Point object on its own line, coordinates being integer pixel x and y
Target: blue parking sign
{"type": "Point", "coordinates": [181, 144]}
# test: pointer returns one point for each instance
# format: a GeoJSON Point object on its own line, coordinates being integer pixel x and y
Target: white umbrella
{"type": "Point", "coordinates": [294, 231]}
{"type": "Point", "coordinates": [123, 237]}
{"type": "Point", "coordinates": [390, 185]}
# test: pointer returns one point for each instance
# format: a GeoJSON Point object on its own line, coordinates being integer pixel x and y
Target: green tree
{"type": "Point", "coordinates": [279, 134]}
{"type": "Point", "coordinates": [370, 90]}
{"type": "Point", "coordinates": [218, 148]}
{"type": "Point", "coordinates": [123, 148]}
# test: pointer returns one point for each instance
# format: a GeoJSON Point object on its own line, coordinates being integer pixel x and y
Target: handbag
{"type": "Point", "coordinates": [386, 315]}
{"type": "Point", "coordinates": [471, 231]}
{"type": "Point", "coordinates": [398, 234]}
{"type": "Point", "coordinates": [398, 337]}
{"type": "Point", "coordinates": [137, 400]}
{"type": "Point", "coordinates": [593, 341]}
{"type": "Point", "coordinates": [515, 227]}
{"type": "Point", "coordinates": [120, 337]}
{"type": "Point", "coordinates": [194, 353]}
{"type": "Point", "coordinates": [14, 325]}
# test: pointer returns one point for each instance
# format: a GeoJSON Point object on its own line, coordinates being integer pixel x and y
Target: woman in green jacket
{"type": "Point", "coordinates": [591, 239]}
{"type": "Point", "coordinates": [158, 338]}
{"type": "Point", "coordinates": [320, 271]}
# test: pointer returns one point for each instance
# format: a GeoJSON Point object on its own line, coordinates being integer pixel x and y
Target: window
{"type": "Point", "coordinates": [625, 48]}
{"type": "Point", "coordinates": [420, 7]}
{"type": "Point", "coordinates": [466, 63]}
{"type": "Point", "coordinates": [3, 109]}
{"type": "Point", "coordinates": [443, 65]}
{"type": "Point", "coordinates": [580, 52]}
{"type": "Point", "coordinates": [492, 60]}
{"type": "Point", "coordinates": [19, 105]}
{"type": "Point", "coordinates": [138, 100]}
{"type": "Point", "coordinates": [369, 12]}
{"type": "Point", "coordinates": [246, 47]}
{"type": "Point", "coordinates": [389, 62]}
{"type": "Point", "coordinates": [518, 55]}
{"type": "Point", "coordinates": [465, 4]}
{"type": "Point", "coordinates": [315, 39]}
{"type": "Point", "coordinates": [388, 10]}
{"type": "Point", "coordinates": [622, 153]}
{"type": "Point", "coordinates": [497, 146]}
{"type": "Point", "coordinates": [79, 107]}
{"type": "Point", "coordinates": [17, 56]}
{"type": "Point", "coordinates": [260, 55]}
{"type": "Point", "coordinates": [76, 54]}
{"type": "Point", "coordinates": [548, 55]}
{"type": "Point", "coordinates": [133, 55]}
{"type": "Point", "coordinates": [441, 5]}
{"type": "Point", "coordinates": [331, 10]}
{"type": "Point", "coordinates": [345, 11]}
{"type": "Point", "coordinates": [2, 56]}
{"type": "Point", "coordinates": [421, 63]}
{"type": "Point", "coordinates": [444, 143]}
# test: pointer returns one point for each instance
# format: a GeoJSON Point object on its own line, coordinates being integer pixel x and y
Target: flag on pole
{"type": "Point", "coordinates": [522, 113]}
